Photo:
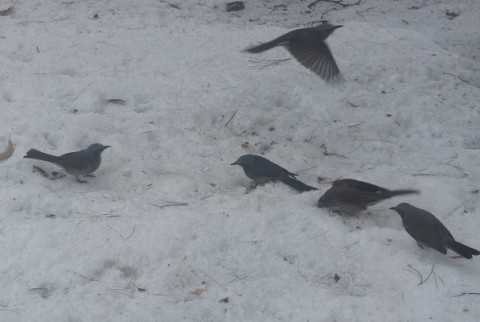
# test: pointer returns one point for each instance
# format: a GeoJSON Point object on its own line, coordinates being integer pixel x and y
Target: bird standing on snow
{"type": "Point", "coordinates": [83, 162]}
{"type": "Point", "coordinates": [308, 47]}
{"type": "Point", "coordinates": [352, 196]}
{"type": "Point", "coordinates": [262, 171]}
{"type": "Point", "coordinates": [427, 230]}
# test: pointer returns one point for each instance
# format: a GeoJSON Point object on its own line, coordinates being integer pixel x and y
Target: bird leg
{"type": "Point", "coordinates": [79, 180]}
{"type": "Point", "coordinates": [340, 211]}
{"type": "Point", "coordinates": [251, 187]}
{"type": "Point", "coordinates": [337, 211]}
{"type": "Point", "coordinates": [90, 175]}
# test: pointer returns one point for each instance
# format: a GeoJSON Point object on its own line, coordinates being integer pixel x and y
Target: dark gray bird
{"type": "Point", "coordinates": [83, 162]}
{"type": "Point", "coordinates": [308, 47]}
{"type": "Point", "coordinates": [427, 230]}
{"type": "Point", "coordinates": [262, 171]}
{"type": "Point", "coordinates": [351, 196]}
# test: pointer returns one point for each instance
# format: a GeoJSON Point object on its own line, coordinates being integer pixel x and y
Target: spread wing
{"type": "Point", "coordinates": [317, 57]}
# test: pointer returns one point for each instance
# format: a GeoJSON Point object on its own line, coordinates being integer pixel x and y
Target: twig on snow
{"type": "Point", "coordinates": [41, 21]}
{"type": "Point", "coordinates": [430, 274]}
{"type": "Point", "coordinates": [467, 293]}
{"type": "Point", "coordinates": [219, 285]}
{"type": "Point", "coordinates": [465, 81]}
{"type": "Point", "coordinates": [238, 278]}
{"type": "Point", "coordinates": [83, 90]}
{"type": "Point", "coordinates": [423, 281]}
{"type": "Point", "coordinates": [231, 118]}
{"type": "Point", "coordinates": [264, 63]}
{"type": "Point", "coordinates": [412, 269]}
{"type": "Point", "coordinates": [131, 234]}
{"type": "Point", "coordinates": [339, 2]}
{"type": "Point", "coordinates": [169, 204]}
{"type": "Point", "coordinates": [171, 4]}
{"type": "Point", "coordinates": [87, 278]}
{"type": "Point", "coordinates": [351, 245]}
{"type": "Point", "coordinates": [131, 286]}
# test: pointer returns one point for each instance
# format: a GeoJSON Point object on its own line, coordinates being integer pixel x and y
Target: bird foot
{"type": "Point", "coordinates": [251, 187]}
{"type": "Point", "coordinates": [80, 180]}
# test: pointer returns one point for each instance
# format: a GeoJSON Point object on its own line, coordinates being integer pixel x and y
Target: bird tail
{"type": "Point", "coordinates": [280, 41]}
{"type": "Point", "coordinates": [262, 47]}
{"type": "Point", "coordinates": [462, 249]}
{"type": "Point", "coordinates": [39, 155]}
{"type": "Point", "coordinates": [394, 193]}
{"type": "Point", "coordinates": [297, 184]}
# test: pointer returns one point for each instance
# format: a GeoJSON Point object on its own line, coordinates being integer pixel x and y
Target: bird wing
{"type": "Point", "coordinates": [425, 228]}
{"type": "Point", "coordinates": [426, 235]}
{"type": "Point", "coordinates": [315, 56]}
{"type": "Point", "coordinates": [359, 192]}
{"type": "Point", "coordinates": [266, 168]}
{"type": "Point", "coordinates": [77, 160]}
{"type": "Point", "coordinates": [346, 195]}
{"type": "Point", "coordinates": [358, 185]}
{"type": "Point", "coordinates": [367, 197]}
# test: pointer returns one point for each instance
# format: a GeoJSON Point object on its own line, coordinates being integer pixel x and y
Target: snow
{"type": "Point", "coordinates": [117, 249]}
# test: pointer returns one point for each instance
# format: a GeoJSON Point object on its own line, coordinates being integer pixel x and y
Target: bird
{"type": "Point", "coordinates": [428, 231]}
{"type": "Point", "coordinates": [308, 47]}
{"type": "Point", "coordinates": [352, 196]}
{"type": "Point", "coordinates": [262, 170]}
{"type": "Point", "coordinates": [83, 162]}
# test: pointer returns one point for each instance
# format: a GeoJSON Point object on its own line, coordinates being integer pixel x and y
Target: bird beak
{"type": "Point", "coordinates": [336, 27]}
{"type": "Point", "coordinates": [106, 146]}
{"type": "Point", "coordinates": [393, 208]}
{"type": "Point", "coordinates": [234, 163]}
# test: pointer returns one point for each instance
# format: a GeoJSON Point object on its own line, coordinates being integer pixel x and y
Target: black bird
{"type": "Point", "coordinates": [352, 196]}
{"type": "Point", "coordinates": [427, 230]}
{"type": "Point", "coordinates": [262, 171]}
{"type": "Point", "coordinates": [83, 162]}
{"type": "Point", "coordinates": [308, 47]}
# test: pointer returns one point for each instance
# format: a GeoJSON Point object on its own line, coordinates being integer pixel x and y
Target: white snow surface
{"type": "Point", "coordinates": [117, 249]}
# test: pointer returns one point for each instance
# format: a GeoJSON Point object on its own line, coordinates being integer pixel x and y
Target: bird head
{"type": "Point", "coordinates": [97, 147]}
{"type": "Point", "coordinates": [244, 161]}
{"type": "Point", "coordinates": [401, 208]}
{"type": "Point", "coordinates": [324, 201]}
{"type": "Point", "coordinates": [327, 28]}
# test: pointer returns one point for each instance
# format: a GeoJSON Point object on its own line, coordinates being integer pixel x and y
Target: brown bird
{"type": "Point", "coordinates": [351, 196]}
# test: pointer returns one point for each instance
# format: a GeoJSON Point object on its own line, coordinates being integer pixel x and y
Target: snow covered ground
{"type": "Point", "coordinates": [119, 249]}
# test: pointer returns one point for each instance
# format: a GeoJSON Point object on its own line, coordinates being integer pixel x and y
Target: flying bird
{"type": "Point", "coordinates": [308, 47]}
